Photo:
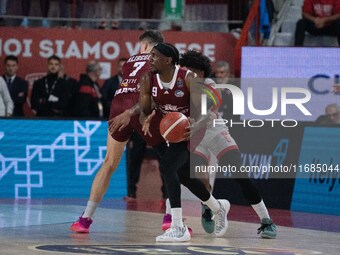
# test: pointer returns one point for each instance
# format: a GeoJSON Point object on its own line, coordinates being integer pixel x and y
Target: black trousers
{"type": "Point", "coordinates": [233, 158]}
{"type": "Point", "coordinates": [248, 186]}
{"type": "Point", "coordinates": [175, 169]}
{"type": "Point", "coordinates": [306, 25]}
{"type": "Point", "coordinates": [135, 151]}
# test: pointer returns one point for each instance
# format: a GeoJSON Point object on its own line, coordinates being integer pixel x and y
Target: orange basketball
{"type": "Point", "coordinates": [173, 127]}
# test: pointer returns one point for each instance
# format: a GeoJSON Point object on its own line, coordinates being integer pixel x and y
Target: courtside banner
{"type": "Point", "coordinates": [76, 47]}
{"type": "Point", "coordinates": [54, 159]}
{"type": "Point", "coordinates": [269, 156]}
{"type": "Point", "coordinates": [317, 188]}
{"type": "Point", "coordinates": [291, 74]}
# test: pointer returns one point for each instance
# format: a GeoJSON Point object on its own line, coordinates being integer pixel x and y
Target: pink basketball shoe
{"type": "Point", "coordinates": [82, 225]}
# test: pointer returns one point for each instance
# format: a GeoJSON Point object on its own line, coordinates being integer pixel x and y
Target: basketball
{"type": "Point", "coordinates": [173, 125]}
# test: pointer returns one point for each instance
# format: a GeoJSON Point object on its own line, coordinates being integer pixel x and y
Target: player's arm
{"type": "Point", "coordinates": [145, 95]}
{"type": "Point", "coordinates": [122, 120]}
{"type": "Point", "coordinates": [201, 121]}
{"type": "Point", "coordinates": [195, 102]}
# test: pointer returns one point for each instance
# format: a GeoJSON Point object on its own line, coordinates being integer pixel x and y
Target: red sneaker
{"type": "Point", "coordinates": [82, 225]}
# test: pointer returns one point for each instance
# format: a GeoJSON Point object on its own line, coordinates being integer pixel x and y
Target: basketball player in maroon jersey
{"type": "Point", "coordinates": [169, 87]}
{"type": "Point", "coordinates": [123, 121]}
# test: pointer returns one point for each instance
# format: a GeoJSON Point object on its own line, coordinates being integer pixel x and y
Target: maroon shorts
{"type": "Point", "coordinates": [119, 105]}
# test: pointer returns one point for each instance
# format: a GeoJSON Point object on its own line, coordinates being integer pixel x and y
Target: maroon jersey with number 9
{"type": "Point", "coordinates": [171, 97]}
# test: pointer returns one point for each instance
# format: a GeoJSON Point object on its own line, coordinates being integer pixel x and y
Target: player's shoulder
{"type": "Point", "coordinates": [185, 72]}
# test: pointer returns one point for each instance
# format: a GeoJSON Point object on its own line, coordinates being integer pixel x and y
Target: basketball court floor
{"type": "Point", "coordinates": [42, 227]}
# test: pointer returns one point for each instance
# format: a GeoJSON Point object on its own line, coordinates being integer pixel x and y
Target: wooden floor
{"type": "Point", "coordinates": [41, 226]}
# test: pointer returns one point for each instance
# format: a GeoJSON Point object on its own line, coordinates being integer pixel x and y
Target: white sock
{"type": "Point", "coordinates": [90, 209]}
{"type": "Point", "coordinates": [176, 217]}
{"type": "Point", "coordinates": [167, 206]}
{"type": "Point", "coordinates": [261, 210]}
{"type": "Point", "coordinates": [212, 203]}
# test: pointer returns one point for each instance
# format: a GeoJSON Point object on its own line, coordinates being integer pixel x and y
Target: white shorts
{"type": "Point", "coordinates": [216, 141]}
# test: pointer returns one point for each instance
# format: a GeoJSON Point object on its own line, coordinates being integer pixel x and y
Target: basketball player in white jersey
{"type": "Point", "coordinates": [218, 141]}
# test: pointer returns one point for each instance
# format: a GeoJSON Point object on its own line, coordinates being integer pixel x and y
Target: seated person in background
{"type": "Point", "coordinates": [319, 17]}
{"type": "Point", "coordinates": [332, 115]}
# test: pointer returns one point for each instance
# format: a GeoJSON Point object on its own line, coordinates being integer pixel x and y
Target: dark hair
{"type": "Point", "coordinates": [11, 57]}
{"type": "Point", "coordinates": [195, 59]}
{"type": "Point", "coordinates": [55, 57]}
{"type": "Point", "coordinates": [175, 59]}
{"type": "Point", "coordinates": [92, 66]}
{"type": "Point", "coordinates": [152, 36]}
{"type": "Point", "coordinates": [168, 50]}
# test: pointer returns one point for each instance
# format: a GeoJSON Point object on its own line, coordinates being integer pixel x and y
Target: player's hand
{"type": "Point", "coordinates": [119, 122]}
{"type": "Point", "coordinates": [319, 23]}
{"type": "Point", "coordinates": [146, 124]}
{"type": "Point", "coordinates": [190, 130]}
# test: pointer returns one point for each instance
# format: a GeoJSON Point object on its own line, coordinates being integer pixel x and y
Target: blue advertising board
{"type": "Point", "coordinates": [317, 185]}
{"type": "Point", "coordinates": [54, 159]}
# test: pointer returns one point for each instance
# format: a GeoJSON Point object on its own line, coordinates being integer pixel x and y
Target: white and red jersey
{"type": "Point", "coordinates": [173, 96]}
{"type": "Point", "coordinates": [217, 139]}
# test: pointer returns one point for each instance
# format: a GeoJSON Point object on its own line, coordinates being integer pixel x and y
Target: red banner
{"type": "Point", "coordinates": [76, 47]}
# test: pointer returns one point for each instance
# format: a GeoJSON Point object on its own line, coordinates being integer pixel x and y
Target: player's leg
{"type": "Point", "coordinates": [213, 142]}
{"type": "Point", "coordinates": [170, 161]}
{"type": "Point", "coordinates": [219, 208]}
{"type": "Point", "coordinates": [100, 183]}
{"type": "Point", "coordinates": [135, 154]}
{"type": "Point", "coordinates": [200, 157]}
{"type": "Point", "coordinates": [251, 193]}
